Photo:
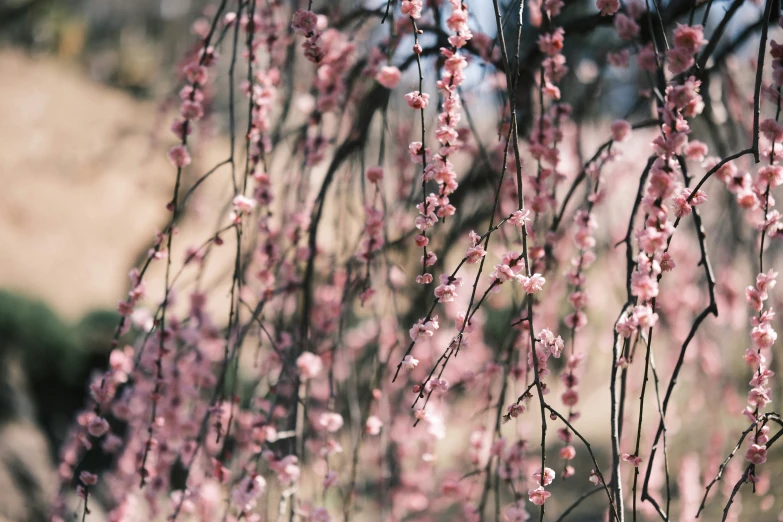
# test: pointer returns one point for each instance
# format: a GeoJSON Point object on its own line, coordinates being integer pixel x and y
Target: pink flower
{"type": "Point", "coordinates": [90, 479]}
{"type": "Point", "coordinates": [436, 384]}
{"type": "Point", "coordinates": [309, 365]}
{"type": "Point", "coordinates": [287, 469]}
{"type": "Point", "coordinates": [515, 410]}
{"type": "Point", "coordinates": [766, 282]}
{"type": "Point", "coordinates": [621, 130]}
{"type": "Point", "coordinates": [538, 495]}
{"type": "Point", "coordinates": [304, 22]}
{"type": "Point", "coordinates": [474, 254]}
{"type": "Point", "coordinates": [549, 476]}
{"type": "Point", "coordinates": [388, 76]}
{"type": "Point", "coordinates": [552, 345]}
{"type": "Point", "coordinates": [245, 494]}
{"type": "Point", "coordinates": [772, 174]}
{"type": "Point", "coordinates": [375, 174]}
{"type": "Point", "coordinates": [533, 284]}
{"type": "Point", "coordinates": [445, 293]}
{"type": "Point", "coordinates": [552, 43]}
{"type": "Point", "coordinates": [626, 325]}
{"type": "Point", "coordinates": [411, 8]}
{"type": "Point", "coordinates": [626, 27]}
{"type": "Point", "coordinates": [429, 260]}
{"type": "Point", "coordinates": [568, 453]}
{"type": "Point", "coordinates": [417, 100]}
{"type": "Point", "coordinates": [409, 363]}
{"type": "Point", "coordinates": [689, 38]}
{"type": "Point", "coordinates": [520, 217]}
{"type": "Point", "coordinates": [763, 336]}
{"type": "Point", "coordinates": [646, 59]}
{"type": "Point", "coordinates": [644, 316]}
{"type": "Point", "coordinates": [191, 110]}
{"type": "Point", "coordinates": [680, 60]}
{"type": "Point", "coordinates": [632, 459]}
{"type": "Point", "coordinates": [424, 279]}
{"type": "Point", "coordinates": [608, 7]}
{"type": "Point", "coordinates": [179, 157]}
{"type": "Point", "coordinates": [424, 328]}
{"type": "Point", "coordinates": [570, 397]}
{"type": "Point", "coordinates": [98, 427]}
{"type": "Point", "coordinates": [373, 425]}
{"type": "Point", "coordinates": [331, 421]}
{"type": "Point", "coordinates": [756, 454]}
{"type": "Point", "coordinates": [447, 290]}
{"type": "Point", "coordinates": [516, 513]}
{"type": "Point", "coordinates": [243, 204]}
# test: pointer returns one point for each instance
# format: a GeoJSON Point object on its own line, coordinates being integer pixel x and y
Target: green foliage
{"type": "Point", "coordinates": [43, 340]}
{"type": "Point", "coordinates": [56, 360]}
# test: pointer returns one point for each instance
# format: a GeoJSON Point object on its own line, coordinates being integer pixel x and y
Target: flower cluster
{"type": "Point", "coordinates": [688, 39]}
{"type": "Point", "coordinates": [762, 336]}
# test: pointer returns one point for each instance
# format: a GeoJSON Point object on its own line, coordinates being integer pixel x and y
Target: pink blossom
{"type": "Point", "coordinates": [538, 495]}
{"type": "Point", "coordinates": [375, 174]}
{"type": "Point", "coordinates": [88, 479]}
{"type": "Point", "coordinates": [533, 284]}
{"type": "Point", "coordinates": [179, 157]}
{"type": "Point", "coordinates": [551, 344]}
{"type": "Point", "coordinates": [632, 459]}
{"type": "Point", "coordinates": [417, 100]}
{"type": "Point", "coordinates": [287, 469]}
{"type": "Point", "coordinates": [626, 27]}
{"type": "Point", "coordinates": [763, 336]}
{"type": "Point", "coordinates": [552, 43]}
{"type": "Point", "coordinates": [409, 363]}
{"type": "Point", "coordinates": [191, 110]}
{"type": "Point", "coordinates": [98, 427]}
{"type": "Point", "coordinates": [756, 454]}
{"type": "Point", "coordinates": [424, 328]}
{"type": "Point", "coordinates": [621, 130]}
{"type": "Point", "coordinates": [331, 421]}
{"type": "Point", "coordinates": [304, 23]}
{"type": "Point", "coordinates": [644, 316]}
{"type": "Point", "coordinates": [245, 494]}
{"type": "Point", "coordinates": [696, 150]}
{"type": "Point", "coordinates": [570, 397]}
{"type": "Point", "coordinates": [515, 410]}
{"type": "Point", "coordinates": [373, 425]}
{"type": "Point", "coordinates": [549, 476]}
{"type": "Point", "coordinates": [309, 365]}
{"type": "Point", "coordinates": [424, 279]}
{"type": "Point", "coordinates": [516, 513]}
{"type": "Point", "coordinates": [520, 217]}
{"type": "Point", "coordinates": [411, 8]}
{"type": "Point", "coordinates": [243, 204]}
{"type": "Point", "coordinates": [608, 7]}
{"type": "Point", "coordinates": [474, 254]}
{"type": "Point", "coordinates": [690, 38]}
{"type": "Point", "coordinates": [680, 60]}
{"type": "Point", "coordinates": [388, 76]}
{"type": "Point", "coordinates": [437, 384]}
{"type": "Point", "coordinates": [568, 453]}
